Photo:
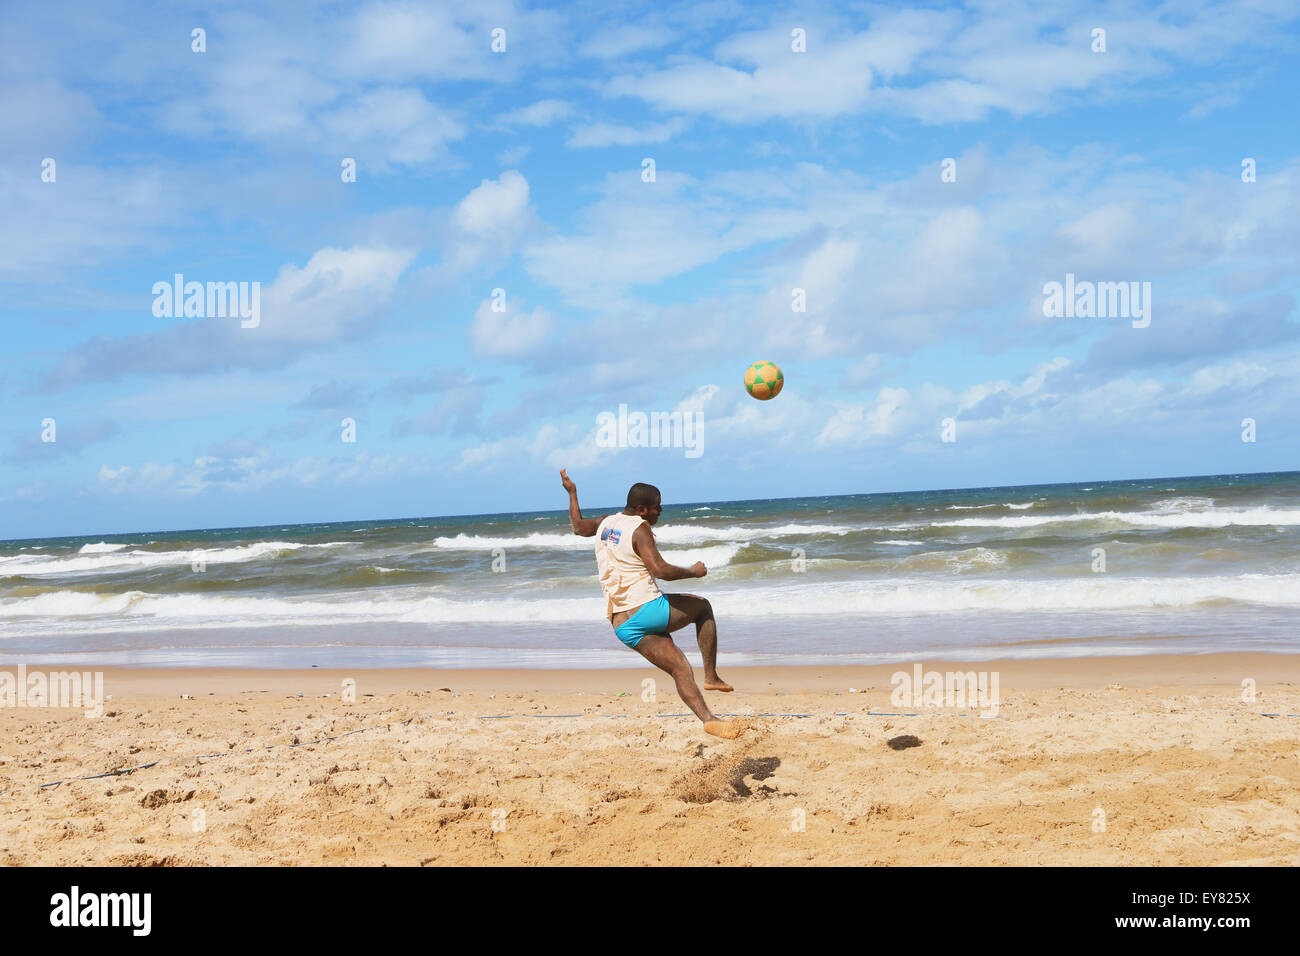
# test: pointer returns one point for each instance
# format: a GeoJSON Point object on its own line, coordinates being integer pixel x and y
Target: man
{"type": "Point", "coordinates": [628, 561]}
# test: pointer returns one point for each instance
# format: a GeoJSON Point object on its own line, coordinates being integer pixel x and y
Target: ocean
{"type": "Point", "coordinates": [1186, 565]}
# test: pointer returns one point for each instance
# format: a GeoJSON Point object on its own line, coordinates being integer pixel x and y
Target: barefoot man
{"type": "Point", "coordinates": [628, 561]}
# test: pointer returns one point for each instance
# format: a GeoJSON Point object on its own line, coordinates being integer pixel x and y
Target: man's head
{"type": "Point", "coordinates": [643, 500]}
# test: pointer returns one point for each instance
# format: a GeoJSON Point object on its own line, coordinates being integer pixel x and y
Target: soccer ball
{"type": "Point", "coordinates": [763, 380]}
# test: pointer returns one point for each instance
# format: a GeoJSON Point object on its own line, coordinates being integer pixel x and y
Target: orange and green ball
{"type": "Point", "coordinates": [764, 380]}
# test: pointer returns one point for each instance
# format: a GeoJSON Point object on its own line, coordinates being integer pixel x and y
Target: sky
{"type": "Point", "coordinates": [560, 210]}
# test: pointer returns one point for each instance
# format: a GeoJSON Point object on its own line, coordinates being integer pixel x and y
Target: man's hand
{"type": "Point", "coordinates": [643, 543]}
{"type": "Point", "coordinates": [584, 526]}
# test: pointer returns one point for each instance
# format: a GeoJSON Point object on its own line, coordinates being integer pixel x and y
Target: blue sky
{"type": "Point", "coordinates": [521, 170]}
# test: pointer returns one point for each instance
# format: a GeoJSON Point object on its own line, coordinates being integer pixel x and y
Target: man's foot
{"type": "Point", "coordinates": [717, 683]}
{"type": "Point", "coordinates": [727, 729]}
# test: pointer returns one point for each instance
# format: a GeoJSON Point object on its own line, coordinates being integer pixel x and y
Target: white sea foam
{"type": "Point", "coordinates": [1182, 504]}
{"type": "Point", "coordinates": [537, 539]}
{"type": "Point", "coordinates": [101, 548]}
{"type": "Point", "coordinates": [972, 559]}
{"type": "Point", "coordinates": [670, 535]}
{"type": "Point", "coordinates": [118, 561]}
{"type": "Point", "coordinates": [1139, 519]}
{"type": "Point", "coordinates": [899, 542]}
{"type": "Point", "coordinates": [714, 556]}
{"type": "Point", "coordinates": [78, 611]}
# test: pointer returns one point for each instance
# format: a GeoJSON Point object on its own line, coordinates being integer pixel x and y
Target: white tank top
{"type": "Point", "coordinates": [627, 582]}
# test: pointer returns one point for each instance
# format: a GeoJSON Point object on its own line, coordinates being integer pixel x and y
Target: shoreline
{"type": "Point", "coordinates": [1224, 669]}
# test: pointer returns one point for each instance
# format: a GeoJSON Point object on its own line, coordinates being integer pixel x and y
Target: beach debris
{"type": "Point", "coordinates": [317, 779]}
{"type": "Point", "coordinates": [187, 696]}
{"type": "Point", "coordinates": [853, 690]}
{"type": "Point", "coordinates": [903, 741]}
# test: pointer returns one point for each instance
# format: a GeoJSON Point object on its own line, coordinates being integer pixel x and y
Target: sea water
{"type": "Point", "coordinates": [1121, 567]}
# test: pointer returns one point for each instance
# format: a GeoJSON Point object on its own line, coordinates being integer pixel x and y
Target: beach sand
{"type": "Point", "coordinates": [1162, 749]}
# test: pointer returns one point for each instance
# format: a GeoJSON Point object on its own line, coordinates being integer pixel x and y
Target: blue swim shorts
{"type": "Point", "coordinates": [650, 618]}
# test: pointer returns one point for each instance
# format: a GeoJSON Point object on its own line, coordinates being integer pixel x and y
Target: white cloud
{"type": "Point", "coordinates": [488, 454]}
{"type": "Point", "coordinates": [616, 42]}
{"type": "Point", "coordinates": [416, 41]}
{"type": "Point", "coordinates": [541, 113]}
{"type": "Point", "coordinates": [607, 134]}
{"type": "Point", "coordinates": [147, 478]}
{"type": "Point", "coordinates": [337, 287]}
{"type": "Point", "coordinates": [338, 294]}
{"type": "Point", "coordinates": [568, 447]}
{"type": "Point", "coordinates": [513, 156]}
{"type": "Point", "coordinates": [697, 400]}
{"type": "Point", "coordinates": [1035, 380]}
{"type": "Point", "coordinates": [836, 79]}
{"type": "Point", "coordinates": [860, 422]}
{"type": "Point", "coordinates": [508, 334]}
{"type": "Point", "coordinates": [493, 205]}
{"type": "Point", "coordinates": [256, 471]}
{"type": "Point", "coordinates": [1233, 376]}
{"type": "Point", "coordinates": [1108, 226]}
{"type": "Point", "coordinates": [491, 221]}
{"type": "Point", "coordinates": [640, 233]}
{"type": "Point", "coordinates": [945, 66]}
{"type": "Point", "coordinates": [351, 82]}
{"type": "Point", "coordinates": [397, 125]}
{"type": "Point", "coordinates": [1031, 385]}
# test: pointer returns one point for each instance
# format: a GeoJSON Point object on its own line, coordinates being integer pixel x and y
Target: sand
{"type": "Point", "coordinates": [1130, 761]}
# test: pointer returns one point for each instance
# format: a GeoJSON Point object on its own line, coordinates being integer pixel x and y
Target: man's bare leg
{"type": "Point", "coordinates": [692, 609]}
{"type": "Point", "coordinates": [660, 651]}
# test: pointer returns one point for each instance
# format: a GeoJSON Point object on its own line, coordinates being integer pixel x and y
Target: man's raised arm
{"type": "Point", "coordinates": [583, 526]}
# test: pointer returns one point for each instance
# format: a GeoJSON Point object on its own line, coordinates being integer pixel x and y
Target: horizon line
{"type": "Point", "coordinates": [494, 514]}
